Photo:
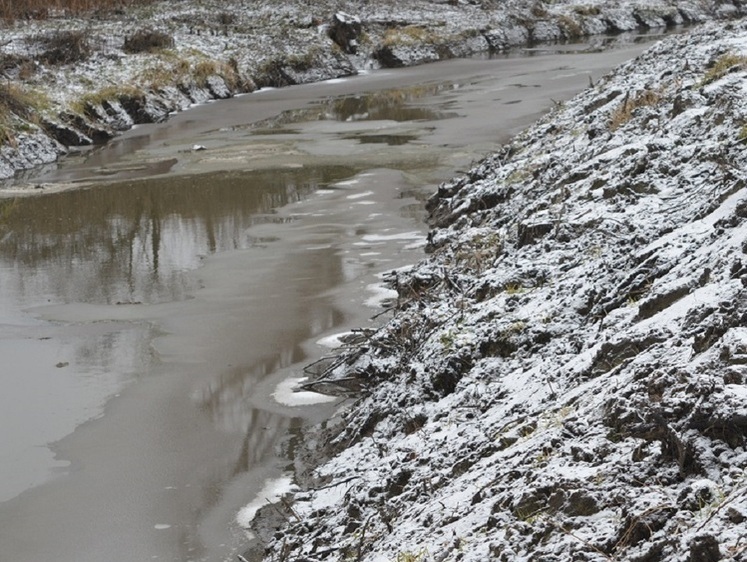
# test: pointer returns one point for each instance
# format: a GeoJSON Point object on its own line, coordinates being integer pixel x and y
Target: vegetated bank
{"type": "Point", "coordinates": [564, 376]}
{"type": "Point", "coordinates": [75, 78]}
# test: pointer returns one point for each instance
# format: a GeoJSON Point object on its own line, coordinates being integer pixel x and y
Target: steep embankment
{"type": "Point", "coordinates": [77, 82]}
{"type": "Point", "coordinates": [563, 378]}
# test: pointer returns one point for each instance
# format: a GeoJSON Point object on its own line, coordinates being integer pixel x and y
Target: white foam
{"type": "Point", "coordinates": [161, 526]}
{"type": "Point", "coordinates": [413, 235]}
{"type": "Point", "coordinates": [332, 342]}
{"type": "Point", "coordinates": [380, 294]}
{"type": "Point", "coordinates": [287, 394]}
{"type": "Point", "coordinates": [417, 244]}
{"type": "Point", "coordinates": [346, 182]}
{"type": "Point", "coordinates": [271, 492]}
{"type": "Point", "coordinates": [360, 195]}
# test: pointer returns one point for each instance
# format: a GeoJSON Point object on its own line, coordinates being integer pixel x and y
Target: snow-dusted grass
{"type": "Point", "coordinates": [11, 10]}
{"type": "Point", "coordinates": [105, 70]}
{"type": "Point", "coordinates": [563, 378]}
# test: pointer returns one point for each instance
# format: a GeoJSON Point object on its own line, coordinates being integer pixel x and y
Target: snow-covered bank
{"type": "Point", "coordinates": [73, 82]}
{"type": "Point", "coordinates": [563, 378]}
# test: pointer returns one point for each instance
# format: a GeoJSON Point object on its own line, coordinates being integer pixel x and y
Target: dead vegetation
{"type": "Point", "coordinates": [63, 47]}
{"type": "Point", "coordinates": [726, 63]}
{"type": "Point", "coordinates": [11, 10]}
{"type": "Point", "coordinates": [624, 111]}
{"type": "Point", "coordinates": [18, 108]}
{"type": "Point", "coordinates": [147, 41]}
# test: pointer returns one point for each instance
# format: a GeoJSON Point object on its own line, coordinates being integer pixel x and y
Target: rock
{"type": "Point", "coordinates": [345, 31]}
{"type": "Point", "coordinates": [704, 548]}
{"type": "Point", "coordinates": [195, 93]}
{"type": "Point", "coordinates": [397, 56]}
{"type": "Point", "coordinates": [111, 113]}
{"type": "Point", "coordinates": [217, 87]}
{"type": "Point", "coordinates": [547, 31]}
{"type": "Point", "coordinates": [620, 20]}
{"type": "Point", "coordinates": [530, 233]}
{"type": "Point", "coordinates": [98, 133]}
{"type": "Point", "coordinates": [581, 503]}
{"type": "Point", "coordinates": [28, 150]}
{"type": "Point", "coordinates": [174, 97]}
{"type": "Point", "coordinates": [65, 134]}
{"type": "Point", "coordinates": [506, 36]}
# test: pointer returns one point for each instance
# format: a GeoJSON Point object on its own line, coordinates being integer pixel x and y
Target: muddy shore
{"type": "Point", "coordinates": [198, 51]}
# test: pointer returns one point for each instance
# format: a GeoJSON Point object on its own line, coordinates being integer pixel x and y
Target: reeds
{"type": "Point", "coordinates": [11, 10]}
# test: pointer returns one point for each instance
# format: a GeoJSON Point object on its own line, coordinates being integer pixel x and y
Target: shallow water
{"type": "Point", "coordinates": [146, 322]}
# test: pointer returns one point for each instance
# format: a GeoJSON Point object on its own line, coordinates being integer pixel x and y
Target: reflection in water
{"type": "Point", "coordinates": [391, 140]}
{"type": "Point", "coordinates": [228, 397]}
{"type": "Point", "coordinates": [390, 105]}
{"type": "Point", "coordinates": [132, 242]}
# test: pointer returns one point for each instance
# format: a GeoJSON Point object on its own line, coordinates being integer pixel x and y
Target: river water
{"type": "Point", "coordinates": [154, 295]}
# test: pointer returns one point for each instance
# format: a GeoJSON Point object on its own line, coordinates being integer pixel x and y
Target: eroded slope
{"type": "Point", "coordinates": [563, 378]}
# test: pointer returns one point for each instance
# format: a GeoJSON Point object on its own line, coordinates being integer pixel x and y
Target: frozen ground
{"type": "Point", "coordinates": [563, 377]}
{"type": "Point", "coordinates": [82, 91]}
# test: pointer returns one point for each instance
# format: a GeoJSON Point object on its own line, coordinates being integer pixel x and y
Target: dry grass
{"type": "Point", "coordinates": [18, 107]}
{"type": "Point", "coordinates": [147, 41]}
{"type": "Point", "coordinates": [41, 9]}
{"type": "Point", "coordinates": [204, 69]}
{"type": "Point", "coordinates": [64, 47]}
{"type": "Point", "coordinates": [722, 66]}
{"type": "Point", "coordinates": [109, 93]}
{"type": "Point", "coordinates": [410, 35]}
{"type": "Point", "coordinates": [162, 75]}
{"type": "Point", "coordinates": [624, 111]}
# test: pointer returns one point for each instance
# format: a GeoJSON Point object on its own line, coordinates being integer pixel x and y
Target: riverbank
{"type": "Point", "coordinates": [74, 83]}
{"type": "Point", "coordinates": [563, 377]}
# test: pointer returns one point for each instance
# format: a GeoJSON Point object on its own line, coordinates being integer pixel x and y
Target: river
{"type": "Point", "coordinates": [157, 291]}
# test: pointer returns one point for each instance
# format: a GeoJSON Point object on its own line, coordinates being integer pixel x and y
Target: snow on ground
{"type": "Point", "coordinates": [564, 376]}
{"type": "Point", "coordinates": [221, 48]}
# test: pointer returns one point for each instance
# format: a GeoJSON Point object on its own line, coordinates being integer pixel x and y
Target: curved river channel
{"type": "Point", "coordinates": [153, 295]}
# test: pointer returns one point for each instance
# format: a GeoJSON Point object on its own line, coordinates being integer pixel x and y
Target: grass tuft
{"type": "Point", "coordinates": [12, 10]}
{"type": "Point", "coordinates": [110, 93]}
{"type": "Point", "coordinates": [18, 108]}
{"type": "Point", "coordinates": [147, 41]}
{"type": "Point", "coordinates": [204, 69]}
{"type": "Point", "coordinates": [624, 111]}
{"type": "Point", "coordinates": [722, 66]}
{"type": "Point", "coordinates": [64, 47]}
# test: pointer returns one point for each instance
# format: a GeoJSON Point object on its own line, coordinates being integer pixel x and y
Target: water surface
{"type": "Point", "coordinates": [150, 308]}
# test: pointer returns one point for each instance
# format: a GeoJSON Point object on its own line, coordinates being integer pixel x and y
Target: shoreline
{"type": "Point", "coordinates": [562, 376]}
{"type": "Point", "coordinates": [89, 101]}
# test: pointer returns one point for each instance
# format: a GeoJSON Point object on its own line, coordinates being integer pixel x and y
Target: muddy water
{"type": "Point", "coordinates": [146, 321]}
